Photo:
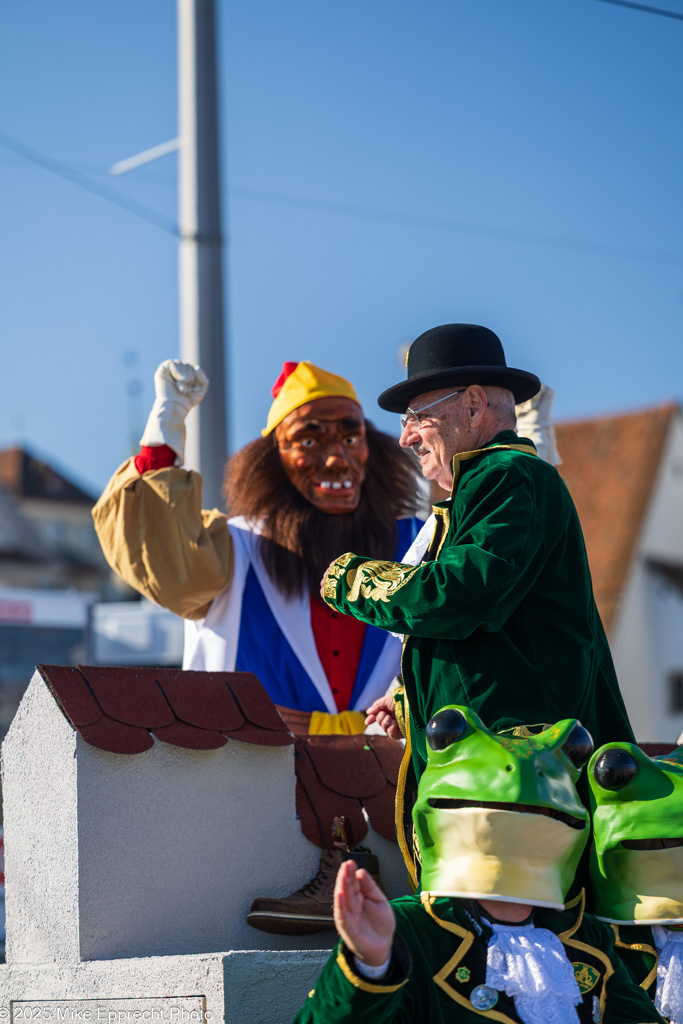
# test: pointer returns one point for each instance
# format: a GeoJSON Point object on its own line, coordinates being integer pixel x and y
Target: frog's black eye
{"type": "Point", "coordinates": [445, 727]}
{"type": "Point", "coordinates": [578, 746]}
{"type": "Point", "coordinates": [614, 769]}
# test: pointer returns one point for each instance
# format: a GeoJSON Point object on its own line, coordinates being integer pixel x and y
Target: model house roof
{"type": "Point", "coordinates": [610, 465]}
{"type": "Point", "coordinates": [124, 710]}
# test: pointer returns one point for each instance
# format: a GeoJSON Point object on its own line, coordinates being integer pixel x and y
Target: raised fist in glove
{"type": "Point", "coordinates": [178, 387]}
{"type": "Point", "coordinates": [533, 421]}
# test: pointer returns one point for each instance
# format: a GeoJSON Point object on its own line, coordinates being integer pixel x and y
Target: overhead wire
{"type": "Point", "coordinates": [644, 7]}
{"type": "Point", "coordinates": [110, 195]}
{"type": "Point", "coordinates": [458, 227]}
{"type": "Point", "coordinates": [338, 208]}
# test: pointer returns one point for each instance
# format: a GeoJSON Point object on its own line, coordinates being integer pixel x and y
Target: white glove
{"type": "Point", "coordinates": [178, 387]}
{"type": "Point", "coordinates": [533, 421]}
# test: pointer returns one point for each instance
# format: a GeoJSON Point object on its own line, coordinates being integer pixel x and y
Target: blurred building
{"type": "Point", "coordinates": [47, 538]}
{"type": "Point", "coordinates": [625, 474]}
{"type": "Point", "coordinates": [59, 601]}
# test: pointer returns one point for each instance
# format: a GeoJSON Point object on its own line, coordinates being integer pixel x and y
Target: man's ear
{"type": "Point", "coordinates": [477, 403]}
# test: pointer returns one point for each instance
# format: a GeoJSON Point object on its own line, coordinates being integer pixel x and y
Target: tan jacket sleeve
{"type": "Point", "coordinates": [156, 536]}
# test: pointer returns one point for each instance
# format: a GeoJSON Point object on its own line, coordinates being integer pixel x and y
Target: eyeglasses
{"type": "Point", "coordinates": [413, 416]}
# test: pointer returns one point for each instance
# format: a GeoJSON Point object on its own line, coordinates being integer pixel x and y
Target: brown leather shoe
{"type": "Point", "coordinates": [309, 909]}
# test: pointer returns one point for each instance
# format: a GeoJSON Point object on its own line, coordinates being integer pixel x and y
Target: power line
{"type": "Point", "coordinates": [76, 178]}
{"type": "Point", "coordinates": [643, 7]}
{"type": "Point", "coordinates": [337, 208]}
{"type": "Point", "coordinates": [458, 227]}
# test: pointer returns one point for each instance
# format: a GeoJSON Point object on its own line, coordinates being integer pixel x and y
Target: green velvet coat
{"type": "Point", "coordinates": [441, 959]}
{"type": "Point", "coordinates": [636, 947]}
{"type": "Point", "coordinates": [500, 615]}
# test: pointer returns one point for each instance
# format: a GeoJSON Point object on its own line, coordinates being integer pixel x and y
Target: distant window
{"type": "Point", "coordinates": [676, 691]}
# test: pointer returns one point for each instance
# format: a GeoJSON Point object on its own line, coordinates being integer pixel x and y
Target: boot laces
{"type": "Point", "coordinates": [321, 877]}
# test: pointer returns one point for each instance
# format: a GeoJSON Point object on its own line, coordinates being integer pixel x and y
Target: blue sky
{"type": "Point", "coordinates": [387, 166]}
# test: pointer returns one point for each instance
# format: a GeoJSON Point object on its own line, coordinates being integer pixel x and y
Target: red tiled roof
{"type": "Point", "coordinates": [122, 709]}
{"type": "Point", "coordinates": [610, 465]}
{"type": "Point", "coordinates": [118, 709]}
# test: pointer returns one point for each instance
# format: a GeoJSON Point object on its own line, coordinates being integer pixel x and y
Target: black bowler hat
{"type": "Point", "coordinates": [457, 354]}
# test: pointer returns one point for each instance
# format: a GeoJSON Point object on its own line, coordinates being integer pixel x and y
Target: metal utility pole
{"type": "Point", "coordinates": [200, 262]}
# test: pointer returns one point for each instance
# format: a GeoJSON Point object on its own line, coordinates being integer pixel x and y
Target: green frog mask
{"type": "Point", "coordinates": [497, 817]}
{"type": "Point", "coordinates": [636, 862]}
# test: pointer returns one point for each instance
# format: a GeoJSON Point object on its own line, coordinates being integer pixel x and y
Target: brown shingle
{"type": "Point", "coordinates": [180, 734]}
{"type": "Point", "coordinates": [344, 775]}
{"type": "Point", "coordinates": [116, 737]}
{"type": "Point", "coordinates": [73, 695]}
{"type": "Point", "coordinates": [201, 699]}
{"type": "Point", "coordinates": [331, 759]}
{"type": "Point", "coordinates": [117, 709]}
{"type": "Point", "coordinates": [610, 465]}
{"type": "Point", "coordinates": [129, 695]}
{"type": "Point", "coordinates": [317, 805]}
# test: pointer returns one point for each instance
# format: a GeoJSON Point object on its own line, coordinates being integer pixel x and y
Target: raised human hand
{"type": "Point", "coordinates": [178, 387]}
{"type": "Point", "coordinates": [362, 915]}
{"type": "Point", "coordinates": [384, 713]}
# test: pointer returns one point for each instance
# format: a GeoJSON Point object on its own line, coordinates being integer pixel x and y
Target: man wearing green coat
{"type": "Point", "coordinates": [499, 614]}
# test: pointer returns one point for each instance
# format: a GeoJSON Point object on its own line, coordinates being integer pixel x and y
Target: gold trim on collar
{"type": "Point", "coordinates": [427, 901]}
{"type": "Point", "coordinates": [358, 982]}
{"type": "Point", "coordinates": [440, 977]}
{"type": "Point", "coordinates": [598, 953]}
{"type": "Point", "coordinates": [444, 514]}
{"type": "Point", "coordinates": [640, 947]}
{"type": "Point", "coordinates": [566, 938]}
{"type": "Point", "coordinates": [465, 456]}
{"type": "Point", "coordinates": [581, 900]}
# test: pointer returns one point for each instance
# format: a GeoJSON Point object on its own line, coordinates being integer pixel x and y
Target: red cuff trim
{"type": "Point", "coordinates": [158, 457]}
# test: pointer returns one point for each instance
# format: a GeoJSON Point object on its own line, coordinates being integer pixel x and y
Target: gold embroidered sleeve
{"type": "Point", "coordinates": [370, 590]}
{"type": "Point", "coordinates": [333, 575]}
{"type": "Point", "coordinates": [377, 581]}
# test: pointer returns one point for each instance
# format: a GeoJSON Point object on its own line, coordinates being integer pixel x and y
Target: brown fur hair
{"type": "Point", "coordinates": [298, 541]}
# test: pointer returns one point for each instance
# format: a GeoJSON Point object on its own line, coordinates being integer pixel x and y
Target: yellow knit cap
{"type": "Point", "coordinates": [304, 383]}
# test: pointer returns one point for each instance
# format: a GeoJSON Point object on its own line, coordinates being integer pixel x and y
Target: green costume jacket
{"type": "Point", "coordinates": [636, 947]}
{"type": "Point", "coordinates": [500, 615]}
{"type": "Point", "coordinates": [441, 960]}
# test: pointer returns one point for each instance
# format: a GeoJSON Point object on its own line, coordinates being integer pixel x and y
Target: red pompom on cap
{"type": "Point", "coordinates": [287, 370]}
